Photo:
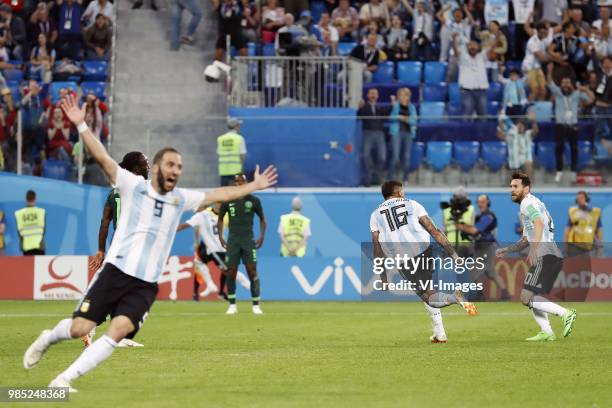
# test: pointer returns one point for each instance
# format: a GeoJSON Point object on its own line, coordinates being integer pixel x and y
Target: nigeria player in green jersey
{"type": "Point", "coordinates": [134, 162]}
{"type": "Point", "coordinates": [241, 244]}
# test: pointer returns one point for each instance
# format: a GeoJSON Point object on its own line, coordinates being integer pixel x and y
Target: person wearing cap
{"type": "Point", "coordinates": [451, 220]}
{"type": "Point", "coordinates": [294, 231]}
{"type": "Point", "coordinates": [231, 150]}
{"type": "Point", "coordinates": [519, 140]}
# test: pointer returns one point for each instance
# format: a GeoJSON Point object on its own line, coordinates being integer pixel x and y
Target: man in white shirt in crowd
{"type": "Point", "coordinates": [472, 78]}
{"type": "Point", "coordinates": [96, 7]}
{"type": "Point", "coordinates": [535, 56]}
{"type": "Point", "coordinates": [461, 27]}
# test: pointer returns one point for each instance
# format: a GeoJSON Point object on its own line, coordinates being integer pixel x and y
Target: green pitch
{"type": "Point", "coordinates": [325, 355]}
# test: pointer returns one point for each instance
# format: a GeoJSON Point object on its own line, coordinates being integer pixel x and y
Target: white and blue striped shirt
{"type": "Point", "coordinates": [147, 225]}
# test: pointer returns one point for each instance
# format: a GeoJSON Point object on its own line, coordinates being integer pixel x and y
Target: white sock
{"type": "Point", "coordinates": [441, 299]}
{"type": "Point", "coordinates": [60, 332]}
{"type": "Point", "coordinates": [93, 355]}
{"type": "Point", "coordinates": [203, 268]}
{"type": "Point", "coordinates": [541, 319]}
{"type": "Point", "coordinates": [243, 280]}
{"type": "Point", "coordinates": [545, 305]}
{"type": "Point", "coordinates": [436, 320]}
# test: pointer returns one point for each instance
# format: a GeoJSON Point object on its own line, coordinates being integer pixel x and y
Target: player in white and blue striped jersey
{"type": "Point", "coordinates": [127, 284]}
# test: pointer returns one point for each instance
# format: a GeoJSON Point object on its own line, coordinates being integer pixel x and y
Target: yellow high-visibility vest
{"type": "Point", "coordinates": [294, 226]}
{"type": "Point", "coordinates": [584, 226]}
{"type": "Point", "coordinates": [31, 227]}
{"type": "Point", "coordinates": [449, 225]}
{"type": "Point", "coordinates": [228, 149]}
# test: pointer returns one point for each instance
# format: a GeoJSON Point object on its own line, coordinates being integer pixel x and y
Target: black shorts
{"type": "Point", "coordinates": [541, 277]}
{"type": "Point", "coordinates": [116, 293]}
{"type": "Point", "coordinates": [218, 258]}
{"type": "Point", "coordinates": [422, 274]}
{"type": "Point", "coordinates": [238, 41]}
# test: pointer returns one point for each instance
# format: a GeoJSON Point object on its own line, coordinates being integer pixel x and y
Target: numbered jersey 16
{"type": "Point", "coordinates": [397, 220]}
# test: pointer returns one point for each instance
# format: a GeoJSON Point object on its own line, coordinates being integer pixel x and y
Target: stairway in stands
{"type": "Point", "coordinates": [160, 96]}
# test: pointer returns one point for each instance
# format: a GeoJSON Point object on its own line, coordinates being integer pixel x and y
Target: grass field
{"type": "Point", "coordinates": [325, 355]}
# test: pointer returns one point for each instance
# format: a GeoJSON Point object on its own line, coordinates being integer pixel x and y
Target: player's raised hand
{"type": "Point", "coordinates": [71, 108]}
{"type": "Point", "coordinates": [268, 178]}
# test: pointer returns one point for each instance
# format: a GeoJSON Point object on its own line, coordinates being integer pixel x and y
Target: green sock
{"type": "Point", "coordinates": [255, 290]}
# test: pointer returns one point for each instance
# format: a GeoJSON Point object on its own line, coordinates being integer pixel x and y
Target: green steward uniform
{"type": "Point", "coordinates": [240, 242]}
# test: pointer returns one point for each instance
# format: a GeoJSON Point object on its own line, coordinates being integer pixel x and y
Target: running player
{"type": "Point", "coordinates": [136, 163]}
{"type": "Point", "coordinates": [127, 285]}
{"type": "Point", "coordinates": [544, 258]}
{"type": "Point", "coordinates": [208, 249]}
{"type": "Point", "coordinates": [241, 244]}
{"type": "Point", "coordinates": [402, 224]}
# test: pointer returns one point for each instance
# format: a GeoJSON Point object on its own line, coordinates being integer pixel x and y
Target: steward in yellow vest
{"type": "Point", "coordinates": [584, 227]}
{"type": "Point", "coordinates": [231, 150]}
{"type": "Point", "coordinates": [31, 226]}
{"type": "Point", "coordinates": [294, 231]}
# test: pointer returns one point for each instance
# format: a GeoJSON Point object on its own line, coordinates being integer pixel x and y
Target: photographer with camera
{"type": "Point", "coordinates": [483, 232]}
{"type": "Point", "coordinates": [456, 212]}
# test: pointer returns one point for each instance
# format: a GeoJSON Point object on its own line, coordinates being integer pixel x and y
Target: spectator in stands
{"type": "Point", "coordinates": [58, 146]}
{"type": "Point", "coordinates": [552, 11]}
{"type": "Point", "coordinates": [69, 43]}
{"type": "Point", "coordinates": [373, 123]}
{"type": "Point", "coordinates": [41, 22]}
{"type": "Point", "coordinates": [346, 19]}
{"type": "Point", "coordinates": [397, 8]}
{"type": "Point", "coordinates": [250, 22]}
{"type": "Point", "coordinates": [562, 52]}
{"type": "Point", "coordinates": [32, 111]}
{"type": "Point", "coordinates": [603, 100]}
{"type": "Point", "coordinates": [42, 60]}
{"type": "Point", "coordinates": [515, 98]}
{"type": "Point", "coordinates": [459, 24]}
{"type": "Point", "coordinates": [195, 9]}
{"type": "Point", "coordinates": [370, 55]}
{"type": "Point", "coordinates": [98, 39]}
{"type": "Point", "coordinates": [273, 17]}
{"type": "Point", "coordinates": [523, 10]}
{"type": "Point", "coordinates": [95, 8]}
{"type": "Point", "coordinates": [327, 48]}
{"type": "Point", "coordinates": [472, 77]}
{"type": "Point", "coordinates": [494, 40]}
{"type": "Point", "coordinates": [604, 17]}
{"type": "Point", "coordinates": [230, 23]}
{"type": "Point", "coordinates": [535, 57]}
{"type": "Point", "coordinates": [496, 10]}
{"type": "Point", "coordinates": [567, 102]}
{"type": "Point", "coordinates": [576, 18]}
{"type": "Point", "coordinates": [402, 129]}
{"type": "Point", "coordinates": [600, 43]}
{"type": "Point", "coordinates": [422, 31]}
{"type": "Point", "coordinates": [15, 28]}
{"type": "Point", "coordinates": [288, 37]}
{"type": "Point", "coordinates": [373, 28]}
{"type": "Point", "coordinates": [374, 10]}
{"type": "Point", "coordinates": [326, 26]}
{"type": "Point", "coordinates": [519, 140]}
{"type": "Point", "coordinates": [398, 43]}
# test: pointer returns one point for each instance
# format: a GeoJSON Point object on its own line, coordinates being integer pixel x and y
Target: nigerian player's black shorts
{"type": "Point", "coordinates": [422, 274]}
{"type": "Point", "coordinates": [116, 293]}
{"type": "Point", "coordinates": [541, 277]}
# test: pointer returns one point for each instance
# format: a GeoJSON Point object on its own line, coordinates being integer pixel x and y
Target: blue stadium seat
{"type": "Point", "coordinates": [95, 70]}
{"type": "Point", "coordinates": [251, 49]}
{"type": "Point", "coordinates": [268, 50]}
{"type": "Point", "coordinates": [585, 154]}
{"type": "Point", "coordinates": [345, 48]}
{"type": "Point", "coordinates": [454, 93]}
{"type": "Point", "coordinates": [510, 65]}
{"type": "Point", "coordinates": [543, 110]}
{"type": "Point", "coordinates": [15, 91]}
{"type": "Point", "coordinates": [439, 154]}
{"type": "Point", "coordinates": [431, 112]}
{"type": "Point", "coordinates": [417, 154]}
{"type": "Point", "coordinates": [546, 155]}
{"type": "Point", "coordinates": [56, 169]}
{"type": "Point", "coordinates": [317, 7]}
{"type": "Point", "coordinates": [454, 111]}
{"type": "Point", "coordinates": [55, 87]}
{"type": "Point", "coordinates": [410, 72]}
{"type": "Point", "coordinates": [466, 154]}
{"type": "Point", "coordinates": [493, 108]}
{"type": "Point", "coordinates": [384, 73]}
{"type": "Point", "coordinates": [435, 92]}
{"type": "Point", "coordinates": [96, 88]}
{"type": "Point", "coordinates": [13, 75]}
{"type": "Point", "coordinates": [495, 92]}
{"type": "Point", "coordinates": [435, 72]}
{"type": "Point", "coordinates": [494, 154]}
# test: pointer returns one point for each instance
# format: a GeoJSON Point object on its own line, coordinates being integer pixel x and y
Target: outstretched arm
{"type": "Point", "coordinates": [94, 147]}
{"type": "Point", "coordinates": [438, 235]}
{"type": "Point", "coordinates": [516, 247]}
{"type": "Point", "coordinates": [261, 181]}
{"type": "Point", "coordinates": [378, 252]}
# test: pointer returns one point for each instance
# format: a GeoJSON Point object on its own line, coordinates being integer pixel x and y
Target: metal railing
{"type": "Point", "coordinates": [332, 82]}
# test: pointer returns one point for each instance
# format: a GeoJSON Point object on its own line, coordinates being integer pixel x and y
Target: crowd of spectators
{"type": "Point", "coordinates": [42, 42]}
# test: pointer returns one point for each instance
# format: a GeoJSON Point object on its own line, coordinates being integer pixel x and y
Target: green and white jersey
{"type": "Point", "coordinates": [531, 210]}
